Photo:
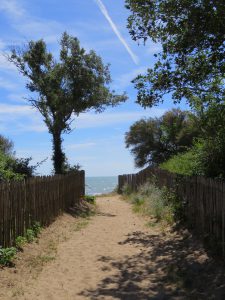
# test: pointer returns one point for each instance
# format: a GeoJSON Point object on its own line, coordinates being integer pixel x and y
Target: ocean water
{"type": "Point", "coordinates": [100, 185]}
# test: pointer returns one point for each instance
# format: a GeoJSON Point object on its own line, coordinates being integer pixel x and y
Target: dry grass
{"type": "Point", "coordinates": [31, 261]}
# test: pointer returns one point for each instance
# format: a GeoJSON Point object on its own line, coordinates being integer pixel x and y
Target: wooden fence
{"type": "Point", "coordinates": [203, 200]}
{"type": "Point", "coordinates": [39, 199]}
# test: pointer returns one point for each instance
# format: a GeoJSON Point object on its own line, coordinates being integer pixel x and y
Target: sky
{"type": "Point", "coordinates": [97, 140]}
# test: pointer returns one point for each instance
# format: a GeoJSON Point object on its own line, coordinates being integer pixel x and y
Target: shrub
{"type": "Point", "coordinates": [90, 199]}
{"type": "Point", "coordinates": [7, 255]}
{"type": "Point", "coordinates": [184, 164]}
{"type": "Point", "coordinates": [30, 235]}
{"type": "Point", "coordinates": [175, 203]}
{"type": "Point", "coordinates": [155, 203]}
{"type": "Point", "coordinates": [161, 204]}
{"type": "Point", "coordinates": [205, 158]}
{"type": "Point", "coordinates": [20, 242]}
{"type": "Point", "coordinates": [36, 228]}
{"type": "Point", "coordinates": [127, 190]}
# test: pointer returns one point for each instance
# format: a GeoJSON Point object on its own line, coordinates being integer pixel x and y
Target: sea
{"type": "Point", "coordinates": [100, 185]}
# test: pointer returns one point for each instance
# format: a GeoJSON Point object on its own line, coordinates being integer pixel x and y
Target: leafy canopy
{"type": "Point", "coordinates": [75, 83]}
{"type": "Point", "coordinates": [11, 167]}
{"type": "Point", "coordinates": [154, 140]}
{"type": "Point", "coordinates": [192, 62]}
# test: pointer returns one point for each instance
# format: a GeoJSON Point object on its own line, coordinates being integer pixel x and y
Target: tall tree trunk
{"type": "Point", "coordinates": [58, 155]}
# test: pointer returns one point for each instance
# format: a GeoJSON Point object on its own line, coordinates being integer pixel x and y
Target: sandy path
{"type": "Point", "coordinates": [81, 263]}
{"type": "Point", "coordinates": [117, 257]}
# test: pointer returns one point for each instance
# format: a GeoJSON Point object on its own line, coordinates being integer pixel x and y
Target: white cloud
{"type": "Point", "coordinates": [33, 126]}
{"type": "Point", "coordinates": [24, 118]}
{"type": "Point", "coordinates": [20, 98]}
{"type": "Point", "coordinates": [15, 109]}
{"type": "Point", "coordinates": [8, 85]}
{"type": "Point", "coordinates": [5, 64]}
{"type": "Point", "coordinates": [124, 80]}
{"type": "Point", "coordinates": [80, 146]}
{"type": "Point", "coordinates": [20, 118]}
{"type": "Point", "coordinates": [12, 8]}
{"type": "Point", "coordinates": [2, 44]}
{"type": "Point", "coordinates": [37, 29]}
{"type": "Point", "coordinates": [116, 30]}
{"type": "Point", "coordinates": [92, 120]}
{"type": "Point", "coordinates": [28, 26]}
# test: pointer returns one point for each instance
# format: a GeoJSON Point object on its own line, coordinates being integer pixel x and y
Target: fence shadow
{"type": "Point", "coordinates": [172, 268]}
{"type": "Point", "coordinates": [201, 199]}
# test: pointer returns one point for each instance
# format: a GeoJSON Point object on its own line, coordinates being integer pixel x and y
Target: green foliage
{"type": "Point", "coordinates": [20, 242]}
{"type": "Point", "coordinates": [7, 255]}
{"type": "Point", "coordinates": [183, 163]}
{"type": "Point", "coordinates": [71, 169]}
{"type": "Point", "coordinates": [12, 168]}
{"type": "Point", "coordinates": [7, 170]}
{"type": "Point", "coordinates": [75, 83]}
{"type": "Point", "coordinates": [126, 190]}
{"type": "Point", "coordinates": [160, 204]}
{"type": "Point", "coordinates": [90, 199]}
{"type": "Point", "coordinates": [33, 232]}
{"type": "Point", "coordinates": [212, 150]}
{"type": "Point", "coordinates": [30, 235]}
{"type": "Point", "coordinates": [205, 158]}
{"type": "Point", "coordinates": [191, 62]}
{"type": "Point", "coordinates": [36, 227]}
{"type": "Point", "coordinates": [175, 205]}
{"type": "Point", "coordinates": [155, 203]}
{"type": "Point", "coordinates": [189, 65]}
{"type": "Point", "coordinates": [6, 146]}
{"type": "Point", "coordinates": [153, 141]}
{"type": "Point", "coordinates": [211, 156]}
{"type": "Point", "coordinates": [22, 166]}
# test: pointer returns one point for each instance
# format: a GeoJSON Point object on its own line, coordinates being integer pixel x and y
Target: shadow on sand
{"type": "Point", "coordinates": [163, 268]}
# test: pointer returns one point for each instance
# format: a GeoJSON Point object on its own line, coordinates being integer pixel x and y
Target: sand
{"type": "Point", "coordinates": [114, 255]}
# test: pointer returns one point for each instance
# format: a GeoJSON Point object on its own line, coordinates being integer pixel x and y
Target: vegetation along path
{"type": "Point", "coordinates": [112, 256]}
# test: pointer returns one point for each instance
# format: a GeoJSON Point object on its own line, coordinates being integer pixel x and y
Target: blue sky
{"type": "Point", "coordinates": [97, 141]}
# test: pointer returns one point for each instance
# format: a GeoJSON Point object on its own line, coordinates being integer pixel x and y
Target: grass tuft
{"type": "Point", "coordinates": [160, 204]}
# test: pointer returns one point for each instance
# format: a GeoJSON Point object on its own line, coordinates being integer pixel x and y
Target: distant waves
{"type": "Point", "coordinates": [100, 185]}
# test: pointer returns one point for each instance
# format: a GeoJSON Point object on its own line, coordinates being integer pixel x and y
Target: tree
{"type": "Point", "coordinates": [11, 167]}
{"type": "Point", "coordinates": [211, 154]}
{"type": "Point", "coordinates": [192, 62]}
{"type": "Point", "coordinates": [6, 146]}
{"type": "Point", "coordinates": [76, 83]}
{"type": "Point", "coordinates": [154, 140]}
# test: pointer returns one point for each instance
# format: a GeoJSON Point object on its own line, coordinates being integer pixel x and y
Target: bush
{"type": "Point", "coordinates": [30, 235]}
{"type": "Point", "coordinates": [205, 158]}
{"type": "Point", "coordinates": [7, 255]}
{"type": "Point", "coordinates": [154, 201]}
{"type": "Point", "coordinates": [126, 190]}
{"type": "Point", "coordinates": [184, 164]}
{"type": "Point", "coordinates": [158, 203]}
{"type": "Point", "coordinates": [150, 200]}
{"type": "Point", "coordinates": [36, 228]}
{"type": "Point", "coordinates": [20, 242]}
{"type": "Point", "coordinates": [90, 199]}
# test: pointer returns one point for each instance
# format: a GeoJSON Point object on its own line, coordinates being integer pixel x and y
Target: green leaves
{"type": "Point", "coordinates": [153, 141]}
{"type": "Point", "coordinates": [192, 62]}
{"type": "Point", "coordinates": [7, 255]}
{"type": "Point", "coordinates": [75, 83]}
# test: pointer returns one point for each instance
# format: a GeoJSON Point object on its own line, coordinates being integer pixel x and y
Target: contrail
{"type": "Point", "coordinates": [115, 29]}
